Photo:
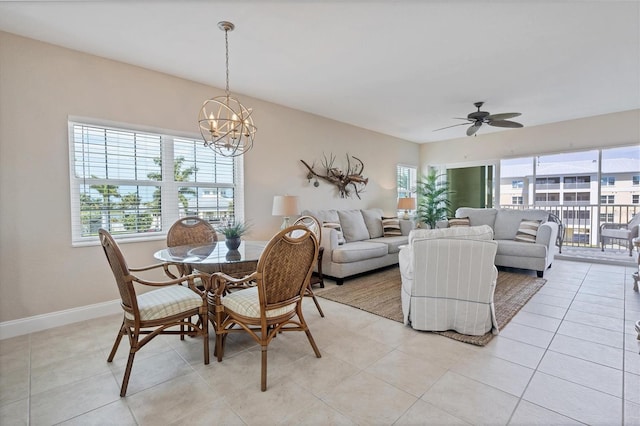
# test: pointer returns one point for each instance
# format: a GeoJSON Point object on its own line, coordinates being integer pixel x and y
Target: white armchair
{"type": "Point", "coordinates": [620, 231]}
{"type": "Point", "coordinates": [448, 280]}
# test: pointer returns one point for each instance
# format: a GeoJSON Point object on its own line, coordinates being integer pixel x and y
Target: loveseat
{"type": "Point", "coordinates": [526, 238]}
{"type": "Point", "coordinates": [357, 241]}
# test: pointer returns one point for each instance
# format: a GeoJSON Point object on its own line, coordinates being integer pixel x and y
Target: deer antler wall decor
{"type": "Point", "coordinates": [347, 182]}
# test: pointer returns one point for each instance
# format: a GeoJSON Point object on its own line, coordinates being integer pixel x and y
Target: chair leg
{"type": "Point", "coordinates": [263, 372]}
{"type": "Point", "coordinates": [116, 343]}
{"type": "Point", "coordinates": [205, 335]}
{"type": "Point", "coordinates": [127, 372]}
{"type": "Point", "coordinates": [315, 300]}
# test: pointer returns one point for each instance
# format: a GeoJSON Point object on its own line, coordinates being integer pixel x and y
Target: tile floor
{"type": "Point", "coordinates": [569, 357]}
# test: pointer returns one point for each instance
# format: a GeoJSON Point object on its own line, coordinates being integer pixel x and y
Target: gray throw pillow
{"type": "Point", "coordinates": [353, 226]}
{"type": "Point", "coordinates": [373, 220]}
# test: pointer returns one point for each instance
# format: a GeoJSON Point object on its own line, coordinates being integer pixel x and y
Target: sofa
{"type": "Point", "coordinates": [356, 241]}
{"type": "Point", "coordinates": [449, 279]}
{"type": "Point", "coordinates": [526, 238]}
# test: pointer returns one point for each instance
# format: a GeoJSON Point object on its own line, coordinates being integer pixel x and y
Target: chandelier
{"type": "Point", "coordinates": [225, 124]}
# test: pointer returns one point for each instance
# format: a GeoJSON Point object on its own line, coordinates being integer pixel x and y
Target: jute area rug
{"type": "Point", "coordinates": [379, 294]}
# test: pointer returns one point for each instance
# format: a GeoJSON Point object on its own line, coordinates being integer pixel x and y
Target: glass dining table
{"type": "Point", "coordinates": [216, 257]}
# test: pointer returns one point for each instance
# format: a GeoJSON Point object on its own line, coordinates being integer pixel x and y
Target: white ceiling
{"type": "Point", "coordinates": [403, 68]}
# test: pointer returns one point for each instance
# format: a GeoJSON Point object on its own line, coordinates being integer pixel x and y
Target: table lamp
{"type": "Point", "coordinates": [285, 205]}
{"type": "Point", "coordinates": [406, 204]}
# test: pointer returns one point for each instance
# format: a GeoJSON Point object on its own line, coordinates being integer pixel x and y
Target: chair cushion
{"type": "Point", "coordinates": [393, 243]}
{"type": "Point", "coordinates": [478, 216]}
{"type": "Point", "coordinates": [247, 303]}
{"type": "Point", "coordinates": [616, 233]}
{"type": "Point", "coordinates": [353, 225]}
{"type": "Point", "coordinates": [165, 302]}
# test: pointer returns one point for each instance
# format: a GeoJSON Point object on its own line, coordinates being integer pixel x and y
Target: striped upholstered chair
{"type": "Point", "coordinates": [154, 312]}
{"type": "Point", "coordinates": [448, 280]}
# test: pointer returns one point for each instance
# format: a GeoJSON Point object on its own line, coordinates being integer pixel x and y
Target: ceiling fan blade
{"type": "Point", "coordinates": [504, 116]}
{"type": "Point", "coordinates": [473, 129]}
{"type": "Point", "coordinates": [505, 123]}
{"type": "Point", "coordinates": [442, 128]}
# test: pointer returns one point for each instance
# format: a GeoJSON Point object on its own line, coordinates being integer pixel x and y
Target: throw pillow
{"type": "Point", "coordinates": [391, 226]}
{"type": "Point", "coordinates": [528, 230]}
{"type": "Point", "coordinates": [459, 221]}
{"type": "Point", "coordinates": [353, 225]}
{"type": "Point", "coordinates": [336, 226]}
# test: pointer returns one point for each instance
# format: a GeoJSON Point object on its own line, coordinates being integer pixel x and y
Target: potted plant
{"type": "Point", "coordinates": [433, 199]}
{"type": "Point", "coordinates": [232, 232]}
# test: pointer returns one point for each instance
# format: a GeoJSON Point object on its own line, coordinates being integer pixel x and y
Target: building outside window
{"type": "Point", "coordinates": [608, 181]}
{"type": "Point", "coordinates": [517, 184]}
{"type": "Point", "coordinates": [136, 183]}
{"type": "Point", "coordinates": [636, 180]}
{"type": "Point", "coordinates": [607, 199]}
{"type": "Point", "coordinates": [635, 199]}
{"type": "Point", "coordinates": [517, 200]}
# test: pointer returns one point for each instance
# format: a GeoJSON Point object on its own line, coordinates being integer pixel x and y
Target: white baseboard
{"type": "Point", "coordinates": [55, 319]}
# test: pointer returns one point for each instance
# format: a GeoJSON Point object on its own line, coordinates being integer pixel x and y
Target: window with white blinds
{"type": "Point", "coordinates": [407, 181]}
{"type": "Point", "coordinates": [136, 183]}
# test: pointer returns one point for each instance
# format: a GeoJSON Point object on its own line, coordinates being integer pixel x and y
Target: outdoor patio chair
{"type": "Point", "coordinates": [154, 312]}
{"type": "Point", "coordinates": [274, 304]}
{"type": "Point", "coordinates": [620, 231]}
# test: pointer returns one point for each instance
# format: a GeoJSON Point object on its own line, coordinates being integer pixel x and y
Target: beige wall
{"type": "Point", "coordinates": [41, 85]}
{"type": "Point", "coordinates": [608, 130]}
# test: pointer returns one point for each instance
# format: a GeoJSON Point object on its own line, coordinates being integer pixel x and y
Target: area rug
{"type": "Point", "coordinates": [379, 294]}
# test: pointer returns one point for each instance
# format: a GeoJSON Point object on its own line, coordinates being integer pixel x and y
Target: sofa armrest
{"type": "Point", "coordinates": [406, 226]}
{"type": "Point", "coordinates": [547, 234]}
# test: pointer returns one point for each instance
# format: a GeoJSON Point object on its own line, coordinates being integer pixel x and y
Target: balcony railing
{"type": "Point", "coordinates": [582, 222]}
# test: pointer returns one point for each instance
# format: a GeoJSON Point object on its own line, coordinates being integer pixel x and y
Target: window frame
{"type": "Point", "coordinates": [170, 210]}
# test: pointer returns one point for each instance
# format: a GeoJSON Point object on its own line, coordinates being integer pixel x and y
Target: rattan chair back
{"type": "Point", "coordinates": [120, 271]}
{"type": "Point", "coordinates": [312, 224]}
{"type": "Point", "coordinates": [285, 266]}
{"type": "Point", "coordinates": [191, 230]}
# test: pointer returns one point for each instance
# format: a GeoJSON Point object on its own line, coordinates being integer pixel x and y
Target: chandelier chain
{"type": "Point", "coordinates": [226, 47]}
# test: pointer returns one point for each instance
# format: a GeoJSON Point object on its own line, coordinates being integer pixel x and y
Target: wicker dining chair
{"type": "Point", "coordinates": [189, 231]}
{"type": "Point", "coordinates": [316, 277]}
{"type": "Point", "coordinates": [274, 304]}
{"type": "Point", "coordinates": [154, 312]}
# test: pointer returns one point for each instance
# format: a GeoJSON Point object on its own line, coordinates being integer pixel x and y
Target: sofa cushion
{"type": "Point", "coordinates": [459, 221]}
{"type": "Point", "coordinates": [393, 243]}
{"type": "Point", "coordinates": [358, 250]}
{"type": "Point", "coordinates": [391, 226]}
{"type": "Point", "coordinates": [353, 226]}
{"type": "Point", "coordinates": [508, 221]}
{"type": "Point", "coordinates": [527, 231]}
{"type": "Point", "coordinates": [323, 215]}
{"type": "Point", "coordinates": [483, 232]}
{"type": "Point", "coordinates": [373, 220]}
{"type": "Point", "coordinates": [479, 217]}
{"type": "Point", "coordinates": [516, 248]}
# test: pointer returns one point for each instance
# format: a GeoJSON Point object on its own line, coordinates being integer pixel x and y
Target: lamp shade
{"type": "Point", "coordinates": [285, 205]}
{"type": "Point", "coordinates": [406, 203]}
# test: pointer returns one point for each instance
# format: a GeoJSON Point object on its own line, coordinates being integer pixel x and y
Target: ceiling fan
{"type": "Point", "coordinates": [478, 118]}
